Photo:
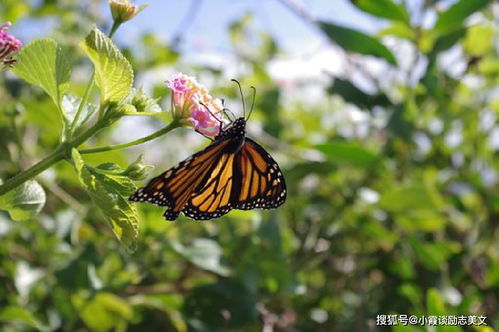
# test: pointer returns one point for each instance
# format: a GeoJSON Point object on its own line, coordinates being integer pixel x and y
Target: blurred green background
{"type": "Point", "coordinates": [387, 136]}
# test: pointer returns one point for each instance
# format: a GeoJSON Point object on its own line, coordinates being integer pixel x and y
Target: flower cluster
{"type": "Point", "coordinates": [8, 45]}
{"type": "Point", "coordinates": [193, 105]}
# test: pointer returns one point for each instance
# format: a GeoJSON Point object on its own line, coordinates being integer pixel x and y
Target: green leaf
{"type": "Point", "coordinates": [25, 201]}
{"type": "Point", "coordinates": [104, 311]}
{"type": "Point", "coordinates": [347, 152]}
{"type": "Point", "coordinates": [479, 40]}
{"type": "Point", "coordinates": [435, 305]}
{"type": "Point", "coordinates": [73, 273]}
{"type": "Point", "coordinates": [225, 305]}
{"type": "Point", "coordinates": [409, 198]}
{"type": "Point", "coordinates": [110, 194]}
{"type": "Point", "coordinates": [434, 302]}
{"type": "Point", "coordinates": [453, 18]}
{"type": "Point", "coordinates": [18, 314]}
{"type": "Point", "coordinates": [433, 255]}
{"type": "Point", "coordinates": [116, 178]}
{"type": "Point", "coordinates": [384, 9]}
{"type": "Point", "coordinates": [398, 29]}
{"type": "Point", "coordinates": [113, 72]}
{"type": "Point", "coordinates": [446, 41]}
{"type": "Point", "coordinates": [428, 220]}
{"type": "Point", "coordinates": [380, 235]}
{"type": "Point", "coordinates": [356, 41]}
{"type": "Point", "coordinates": [400, 124]}
{"type": "Point", "coordinates": [204, 253]}
{"type": "Point", "coordinates": [43, 63]}
{"type": "Point", "coordinates": [351, 94]}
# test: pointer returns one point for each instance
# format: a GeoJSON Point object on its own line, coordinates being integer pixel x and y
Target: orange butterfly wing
{"type": "Point", "coordinates": [262, 184]}
{"type": "Point", "coordinates": [233, 172]}
{"type": "Point", "coordinates": [244, 180]}
{"type": "Point", "coordinates": [174, 187]}
{"type": "Point", "coordinates": [214, 198]}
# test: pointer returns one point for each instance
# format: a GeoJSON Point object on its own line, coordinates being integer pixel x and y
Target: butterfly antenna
{"type": "Point", "coordinates": [225, 110]}
{"type": "Point", "coordinates": [242, 96]}
{"type": "Point", "coordinates": [252, 101]}
{"type": "Point", "coordinates": [213, 114]}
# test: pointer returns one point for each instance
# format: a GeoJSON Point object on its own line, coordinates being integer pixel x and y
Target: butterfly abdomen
{"type": "Point", "coordinates": [235, 145]}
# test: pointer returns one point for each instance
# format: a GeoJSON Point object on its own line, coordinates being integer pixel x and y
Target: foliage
{"type": "Point", "coordinates": [393, 202]}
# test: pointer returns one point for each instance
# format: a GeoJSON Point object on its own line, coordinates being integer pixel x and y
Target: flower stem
{"type": "Point", "coordinates": [59, 154]}
{"type": "Point", "coordinates": [141, 113]}
{"type": "Point", "coordinates": [89, 88]}
{"type": "Point", "coordinates": [174, 124]}
{"type": "Point", "coordinates": [64, 149]}
{"type": "Point", "coordinates": [83, 101]}
{"type": "Point", "coordinates": [36, 169]}
{"type": "Point", "coordinates": [116, 25]}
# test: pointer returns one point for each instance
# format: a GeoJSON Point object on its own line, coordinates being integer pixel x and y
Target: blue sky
{"type": "Point", "coordinates": [208, 28]}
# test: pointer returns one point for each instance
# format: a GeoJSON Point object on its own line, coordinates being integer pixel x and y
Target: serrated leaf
{"type": "Point", "coordinates": [204, 253]}
{"type": "Point", "coordinates": [110, 194]}
{"type": "Point", "coordinates": [70, 104]}
{"type": "Point", "coordinates": [25, 201]}
{"type": "Point", "coordinates": [384, 9]}
{"type": "Point", "coordinates": [110, 167]}
{"type": "Point", "coordinates": [43, 63]}
{"type": "Point", "coordinates": [122, 184]}
{"type": "Point", "coordinates": [114, 177]}
{"type": "Point", "coordinates": [347, 152]}
{"type": "Point", "coordinates": [113, 72]}
{"type": "Point", "coordinates": [453, 18]}
{"type": "Point", "coordinates": [356, 41]}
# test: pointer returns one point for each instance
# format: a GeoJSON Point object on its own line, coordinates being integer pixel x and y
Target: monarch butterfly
{"type": "Point", "coordinates": [233, 172]}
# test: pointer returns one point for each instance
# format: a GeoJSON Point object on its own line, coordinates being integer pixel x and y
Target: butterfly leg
{"type": "Point", "coordinates": [208, 137]}
{"type": "Point", "coordinates": [214, 116]}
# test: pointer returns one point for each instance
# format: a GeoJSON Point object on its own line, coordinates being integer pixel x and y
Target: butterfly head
{"type": "Point", "coordinates": [235, 130]}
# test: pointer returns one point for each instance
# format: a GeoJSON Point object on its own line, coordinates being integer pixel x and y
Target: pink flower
{"type": "Point", "coordinates": [193, 105]}
{"type": "Point", "coordinates": [8, 45]}
{"type": "Point", "coordinates": [204, 122]}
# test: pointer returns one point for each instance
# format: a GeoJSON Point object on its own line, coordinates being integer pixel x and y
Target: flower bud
{"type": "Point", "coordinates": [138, 171]}
{"type": "Point", "coordinates": [144, 103]}
{"type": "Point", "coordinates": [124, 10]}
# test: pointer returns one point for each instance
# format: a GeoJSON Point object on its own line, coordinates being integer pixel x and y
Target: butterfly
{"type": "Point", "coordinates": [233, 172]}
